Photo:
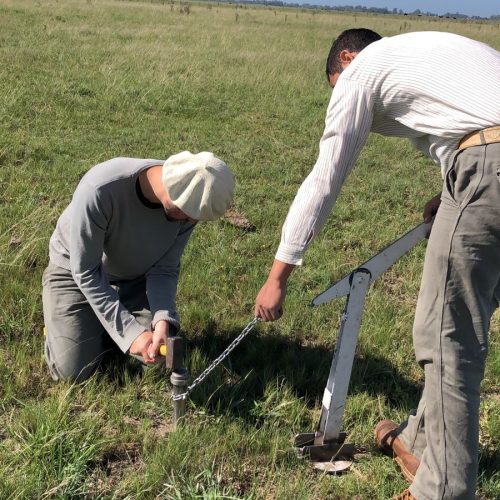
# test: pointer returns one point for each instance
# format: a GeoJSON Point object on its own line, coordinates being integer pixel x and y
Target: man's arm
{"type": "Point", "coordinates": [91, 216]}
{"type": "Point", "coordinates": [161, 289]}
{"type": "Point", "coordinates": [347, 125]}
{"type": "Point", "coordinates": [348, 121]}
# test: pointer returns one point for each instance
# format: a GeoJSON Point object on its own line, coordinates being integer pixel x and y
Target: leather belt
{"type": "Point", "coordinates": [480, 137]}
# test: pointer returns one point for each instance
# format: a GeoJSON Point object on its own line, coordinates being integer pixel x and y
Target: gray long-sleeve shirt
{"type": "Point", "coordinates": [108, 234]}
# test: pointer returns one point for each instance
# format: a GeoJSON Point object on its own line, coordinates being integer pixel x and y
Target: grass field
{"type": "Point", "coordinates": [86, 81]}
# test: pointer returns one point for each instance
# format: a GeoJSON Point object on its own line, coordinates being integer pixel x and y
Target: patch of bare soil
{"type": "Point", "coordinates": [111, 467]}
{"type": "Point", "coordinates": [160, 426]}
{"type": "Point", "coordinates": [238, 219]}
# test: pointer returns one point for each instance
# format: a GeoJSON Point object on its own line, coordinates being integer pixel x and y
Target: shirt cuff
{"type": "Point", "coordinates": [290, 254]}
{"type": "Point", "coordinates": [130, 333]}
{"type": "Point", "coordinates": [172, 319]}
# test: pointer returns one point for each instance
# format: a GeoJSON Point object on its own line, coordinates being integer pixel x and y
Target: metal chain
{"type": "Point", "coordinates": [204, 374]}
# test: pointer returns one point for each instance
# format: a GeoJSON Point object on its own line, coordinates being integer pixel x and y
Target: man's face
{"type": "Point", "coordinates": [332, 79]}
{"type": "Point", "coordinates": [175, 214]}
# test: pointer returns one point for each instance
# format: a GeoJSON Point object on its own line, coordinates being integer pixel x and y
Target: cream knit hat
{"type": "Point", "coordinates": [200, 185]}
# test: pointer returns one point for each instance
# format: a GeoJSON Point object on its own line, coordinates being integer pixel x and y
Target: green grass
{"type": "Point", "coordinates": [86, 81]}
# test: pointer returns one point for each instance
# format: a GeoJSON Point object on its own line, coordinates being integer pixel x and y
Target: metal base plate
{"type": "Point", "coordinates": [334, 467]}
{"type": "Point", "coordinates": [332, 457]}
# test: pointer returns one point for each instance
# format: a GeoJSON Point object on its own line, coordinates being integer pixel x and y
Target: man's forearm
{"type": "Point", "coordinates": [280, 271]}
{"type": "Point", "coordinates": [268, 305]}
{"type": "Point", "coordinates": [120, 324]}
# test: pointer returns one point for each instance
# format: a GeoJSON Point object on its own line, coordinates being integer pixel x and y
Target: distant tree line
{"type": "Point", "coordinates": [343, 8]}
{"type": "Point", "coordinates": [357, 8]}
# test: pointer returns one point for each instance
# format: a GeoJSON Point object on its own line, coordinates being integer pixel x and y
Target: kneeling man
{"type": "Point", "coordinates": [115, 257]}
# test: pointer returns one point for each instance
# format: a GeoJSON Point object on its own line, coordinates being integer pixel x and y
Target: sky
{"type": "Point", "coordinates": [483, 8]}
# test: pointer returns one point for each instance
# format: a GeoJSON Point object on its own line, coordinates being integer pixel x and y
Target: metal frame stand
{"type": "Point", "coordinates": [326, 447]}
{"type": "Point", "coordinates": [327, 442]}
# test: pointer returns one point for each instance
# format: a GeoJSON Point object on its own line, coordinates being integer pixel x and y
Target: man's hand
{"type": "Point", "coordinates": [140, 346]}
{"type": "Point", "coordinates": [160, 335]}
{"type": "Point", "coordinates": [147, 344]}
{"type": "Point", "coordinates": [431, 208]}
{"type": "Point", "coordinates": [269, 301]}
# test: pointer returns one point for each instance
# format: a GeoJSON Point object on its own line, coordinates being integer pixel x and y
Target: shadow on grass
{"type": "Point", "coordinates": [489, 466]}
{"type": "Point", "coordinates": [271, 358]}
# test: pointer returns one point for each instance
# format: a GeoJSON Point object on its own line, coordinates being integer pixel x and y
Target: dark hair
{"type": "Point", "coordinates": [353, 40]}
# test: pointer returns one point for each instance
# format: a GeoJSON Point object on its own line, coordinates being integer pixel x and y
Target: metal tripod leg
{"type": "Point", "coordinates": [327, 443]}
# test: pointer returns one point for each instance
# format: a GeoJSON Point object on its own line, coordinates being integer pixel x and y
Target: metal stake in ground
{"type": "Point", "coordinates": [174, 360]}
{"type": "Point", "coordinates": [180, 381]}
{"type": "Point", "coordinates": [180, 376]}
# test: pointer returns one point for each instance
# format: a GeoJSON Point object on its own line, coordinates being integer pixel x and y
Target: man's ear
{"type": "Point", "coordinates": [346, 57]}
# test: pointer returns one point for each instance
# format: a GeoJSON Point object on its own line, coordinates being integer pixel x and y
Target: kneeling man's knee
{"type": "Point", "coordinates": [71, 364]}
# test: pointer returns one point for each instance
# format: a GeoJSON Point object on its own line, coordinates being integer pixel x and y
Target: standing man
{"type": "Point", "coordinates": [442, 91]}
{"type": "Point", "coordinates": [115, 257]}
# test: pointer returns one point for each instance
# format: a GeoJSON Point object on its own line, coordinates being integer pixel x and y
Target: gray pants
{"type": "Point", "coordinates": [459, 292]}
{"type": "Point", "coordinates": [76, 342]}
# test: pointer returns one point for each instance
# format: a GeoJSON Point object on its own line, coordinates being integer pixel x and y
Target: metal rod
{"type": "Point", "coordinates": [377, 264]}
{"type": "Point", "coordinates": [334, 398]}
{"type": "Point", "coordinates": [180, 381]}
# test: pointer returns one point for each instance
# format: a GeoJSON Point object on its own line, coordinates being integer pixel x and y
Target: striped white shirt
{"type": "Point", "coordinates": [430, 87]}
